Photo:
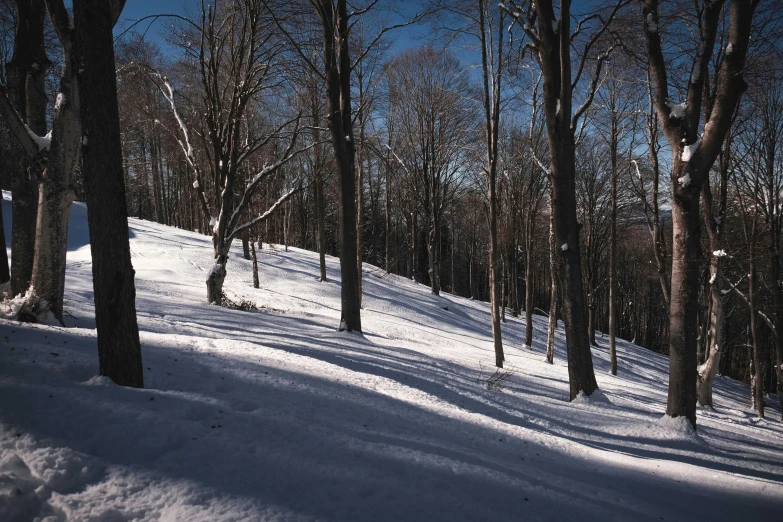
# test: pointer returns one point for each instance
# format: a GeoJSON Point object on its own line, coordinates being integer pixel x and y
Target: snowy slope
{"type": "Point", "coordinates": [273, 415]}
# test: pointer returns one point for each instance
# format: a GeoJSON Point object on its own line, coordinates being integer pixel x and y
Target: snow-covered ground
{"type": "Point", "coordinates": [274, 415]}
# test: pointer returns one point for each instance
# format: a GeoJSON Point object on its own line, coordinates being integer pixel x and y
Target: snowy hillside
{"type": "Point", "coordinates": [273, 415]}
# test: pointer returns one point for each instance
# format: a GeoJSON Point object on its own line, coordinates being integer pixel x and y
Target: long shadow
{"type": "Point", "coordinates": [318, 447]}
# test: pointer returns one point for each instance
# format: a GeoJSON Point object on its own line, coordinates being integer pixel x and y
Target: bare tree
{"type": "Point", "coordinates": [435, 123]}
{"type": "Point", "coordinates": [692, 159]}
{"type": "Point", "coordinates": [26, 74]}
{"type": "Point", "coordinates": [551, 41]}
{"type": "Point", "coordinates": [238, 62]}
{"type": "Point", "coordinates": [59, 151]}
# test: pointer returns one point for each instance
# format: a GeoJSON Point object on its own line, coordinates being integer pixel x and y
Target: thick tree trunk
{"type": "Point", "coordinates": [24, 209]}
{"type": "Point", "coordinates": [684, 309]}
{"type": "Point", "coordinates": [27, 89]}
{"type": "Point", "coordinates": [119, 351]}
{"type": "Point", "coordinates": [215, 278]}
{"type": "Point", "coordinates": [335, 25]}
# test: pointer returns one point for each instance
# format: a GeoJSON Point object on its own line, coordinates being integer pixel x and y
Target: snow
{"type": "Point", "coordinates": [685, 180]}
{"type": "Point", "coordinates": [713, 278]}
{"type": "Point", "coordinates": [678, 110]}
{"type": "Point", "coordinates": [59, 101]}
{"type": "Point", "coordinates": [557, 108]}
{"type": "Point", "coordinates": [719, 253]}
{"type": "Point", "coordinates": [274, 415]}
{"type": "Point", "coordinates": [195, 184]}
{"type": "Point", "coordinates": [729, 49]}
{"type": "Point", "coordinates": [42, 142]}
{"type": "Point", "coordinates": [564, 247]}
{"type": "Point", "coordinates": [689, 150]}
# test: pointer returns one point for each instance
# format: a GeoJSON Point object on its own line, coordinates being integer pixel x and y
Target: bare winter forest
{"type": "Point", "coordinates": [552, 184]}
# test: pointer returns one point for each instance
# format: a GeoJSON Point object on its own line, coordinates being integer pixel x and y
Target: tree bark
{"type": "Point", "coordinates": [529, 283]}
{"type": "Point", "coordinates": [26, 74]}
{"type": "Point", "coordinates": [119, 350]}
{"type": "Point", "coordinates": [336, 29]}
{"type": "Point", "coordinates": [692, 159]}
{"type": "Point", "coordinates": [255, 265]}
{"type": "Point", "coordinates": [613, 246]}
{"type": "Point", "coordinates": [492, 129]}
{"type": "Point", "coordinates": [684, 308]}
{"type": "Point", "coordinates": [554, 295]}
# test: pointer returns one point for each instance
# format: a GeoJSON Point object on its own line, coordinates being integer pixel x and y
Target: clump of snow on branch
{"type": "Point", "coordinates": [685, 180]}
{"type": "Point", "coordinates": [689, 150]}
{"type": "Point", "coordinates": [636, 165]}
{"type": "Point", "coordinates": [719, 253]}
{"type": "Point", "coordinates": [729, 49]}
{"type": "Point", "coordinates": [678, 110]}
{"type": "Point", "coordinates": [42, 142]}
{"type": "Point", "coordinates": [564, 247]}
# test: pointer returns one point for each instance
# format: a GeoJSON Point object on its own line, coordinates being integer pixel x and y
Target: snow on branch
{"type": "Point", "coordinates": [30, 142]}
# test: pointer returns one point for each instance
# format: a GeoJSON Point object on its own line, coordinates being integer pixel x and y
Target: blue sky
{"type": "Point", "coordinates": [138, 9]}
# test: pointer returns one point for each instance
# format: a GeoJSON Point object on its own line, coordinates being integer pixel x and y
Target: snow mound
{"type": "Point", "coordinates": [99, 380]}
{"type": "Point", "coordinates": [678, 426]}
{"type": "Point", "coordinates": [595, 399]}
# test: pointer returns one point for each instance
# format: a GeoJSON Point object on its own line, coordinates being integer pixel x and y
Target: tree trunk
{"type": "Point", "coordinates": [713, 216]}
{"type": "Point", "coordinates": [245, 244]}
{"type": "Point", "coordinates": [5, 273]}
{"type": "Point", "coordinates": [215, 280]}
{"type": "Point", "coordinates": [27, 89]}
{"type": "Point", "coordinates": [529, 289]}
{"type": "Point", "coordinates": [756, 370]}
{"type": "Point", "coordinates": [708, 370]}
{"type": "Point", "coordinates": [777, 318]}
{"type": "Point", "coordinates": [387, 220]}
{"type": "Point", "coordinates": [684, 309]}
{"type": "Point", "coordinates": [335, 25]}
{"type": "Point", "coordinates": [255, 265]}
{"type": "Point", "coordinates": [554, 296]}
{"type": "Point", "coordinates": [613, 248]}
{"type": "Point", "coordinates": [119, 351]}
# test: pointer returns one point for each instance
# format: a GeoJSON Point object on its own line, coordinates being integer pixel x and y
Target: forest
{"type": "Point", "coordinates": [614, 167]}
